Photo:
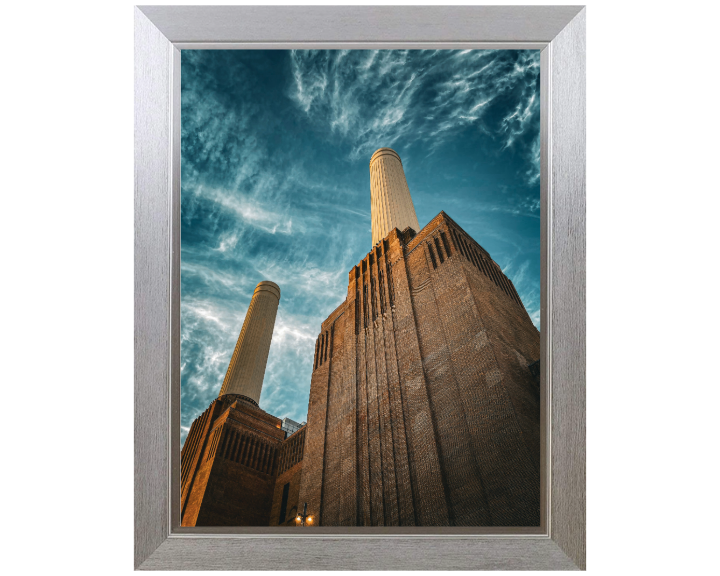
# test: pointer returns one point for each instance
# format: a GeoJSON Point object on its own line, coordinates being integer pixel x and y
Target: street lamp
{"type": "Point", "coordinates": [302, 518]}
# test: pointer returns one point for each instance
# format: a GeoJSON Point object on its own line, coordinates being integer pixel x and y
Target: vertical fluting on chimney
{"type": "Point", "coordinates": [247, 365]}
{"type": "Point", "coordinates": [390, 203]}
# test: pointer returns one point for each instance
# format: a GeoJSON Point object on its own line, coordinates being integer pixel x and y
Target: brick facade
{"type": "Point", "coordinates": [423, 408]}
{"type": "Point", "coordinates": [229, 465]}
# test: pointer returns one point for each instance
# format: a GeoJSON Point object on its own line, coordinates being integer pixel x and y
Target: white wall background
{"type": "Point", "coordinates": [67, 289]}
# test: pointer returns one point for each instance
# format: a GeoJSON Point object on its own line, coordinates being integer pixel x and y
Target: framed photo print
{"type": "Point", "coordinates": [360, 287]}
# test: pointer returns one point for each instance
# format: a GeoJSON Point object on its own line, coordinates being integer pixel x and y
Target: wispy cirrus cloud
{"type": "Point", "coordinates": [275, 186]}
{"type": "Point", "coordinates": [419, 95]}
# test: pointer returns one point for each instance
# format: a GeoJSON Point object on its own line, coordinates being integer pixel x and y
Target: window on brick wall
{"type": "Point", "coordinates": [365, 306]}
{"type": "Point", "coordinates": [283, 504]}
{"type": "Point", "coordinates": [381, 291]}
{"type": "Point", "coordinates": [432, 255]}
{"type": "Point", "coordinates": [391, 289]}
{"type": "Point", "coordinates": [357, 311]}
{"type": "Point", "coordinates": [439, 250]}
{"type": "Point", "coordinates": [445, 243]}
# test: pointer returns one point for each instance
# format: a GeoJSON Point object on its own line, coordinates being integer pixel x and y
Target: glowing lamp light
{"type": "Point", "coordinates": [304, 518]}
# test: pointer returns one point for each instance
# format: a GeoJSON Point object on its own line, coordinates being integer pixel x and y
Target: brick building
{"type": "Point", "coordinates": [423, 407]}
{"type": "Point", "coordinates": [424, 400]}
{"type": "Point", "coordinates": [290, 426]}
{"type": "Point", "coordinates": [229, 465]}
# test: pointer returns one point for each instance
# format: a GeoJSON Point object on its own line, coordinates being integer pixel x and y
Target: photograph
{"type": "Point", "coordinates": [345, 287]}
{"type": "Point", "coordinates": [360, 265]}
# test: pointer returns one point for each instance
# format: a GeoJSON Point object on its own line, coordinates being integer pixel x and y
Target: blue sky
{"type": "Point", "coordinates": [276, 186]}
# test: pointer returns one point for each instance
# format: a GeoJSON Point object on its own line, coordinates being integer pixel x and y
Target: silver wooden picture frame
{"type": "Point", "coordinates": [161, 32]}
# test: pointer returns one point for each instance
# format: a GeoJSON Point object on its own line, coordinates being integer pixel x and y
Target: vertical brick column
{"type": "Point", "coordinates": [387, 452]}
{"type": "Point", "coordinates": [348, 423]}
{"type": "Point", "coordinates": [406, 509]}
{"type": "Point", "coordinates": [428, 490]}
{"type": "Point", "coordinates": [367, 338]}
{"type": "Point", "coordinates": [314, 461]}
{"type": "Point", "coordinates": [363, 443]}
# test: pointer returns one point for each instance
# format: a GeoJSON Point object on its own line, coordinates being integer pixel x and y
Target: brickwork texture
{"type": "Point", "coordinates": [424, 409]}
{"type": "Point", "coordinates": [229, 465]}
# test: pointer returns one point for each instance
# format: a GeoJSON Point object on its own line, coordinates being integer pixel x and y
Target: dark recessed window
{"type": "Point", "coordinates": [283, 504]}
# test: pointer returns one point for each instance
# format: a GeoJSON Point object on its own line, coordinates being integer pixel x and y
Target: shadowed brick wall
{"type": "Point", "coordinates": [234, 461]}
{"type": "Point", "coordinates": [289, 472]}
{"type": "Point", "coordinates": [229, 465]}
